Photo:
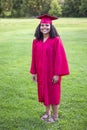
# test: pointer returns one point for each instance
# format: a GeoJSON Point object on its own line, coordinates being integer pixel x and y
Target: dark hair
{"type": "Point", "coordinates": [39, 35]}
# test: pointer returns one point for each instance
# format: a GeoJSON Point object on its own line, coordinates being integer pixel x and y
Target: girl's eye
{"type": "Point", "coordinates": [47, 25]}
{"type": "Point", "coordinates": [42, 25]}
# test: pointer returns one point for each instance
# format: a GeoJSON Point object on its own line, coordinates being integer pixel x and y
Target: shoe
{"type": "Point", "coordinates": [52, 119]}
{"type": "Point", "coordinates": [45, 116]}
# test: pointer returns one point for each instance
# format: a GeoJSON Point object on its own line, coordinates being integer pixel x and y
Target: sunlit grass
{"type": "Point", "coordinates": [19, 108]}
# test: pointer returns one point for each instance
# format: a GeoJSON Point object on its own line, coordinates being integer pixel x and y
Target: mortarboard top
{"type": "Point", "coordinates": [47, 18]}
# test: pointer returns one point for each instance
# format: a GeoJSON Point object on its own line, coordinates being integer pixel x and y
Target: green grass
{"type": "Point", "coordinates": [19, 108]}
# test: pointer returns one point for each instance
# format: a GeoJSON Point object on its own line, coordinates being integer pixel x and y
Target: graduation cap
{"type": "Point", "coordinates": [46, 18]}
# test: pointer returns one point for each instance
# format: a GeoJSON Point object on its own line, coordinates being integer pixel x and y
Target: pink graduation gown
{"type": "Point", "coordinates": [49, 59]}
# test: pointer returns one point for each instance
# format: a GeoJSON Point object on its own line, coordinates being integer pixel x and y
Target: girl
{"type": "Point", "coordinates": [49, 64]}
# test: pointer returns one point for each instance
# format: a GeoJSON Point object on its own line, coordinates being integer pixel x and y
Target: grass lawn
{"type": "Point", "coordinates": [19, 108]}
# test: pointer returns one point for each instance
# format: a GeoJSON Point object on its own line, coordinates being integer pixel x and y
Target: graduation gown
{"type": "Point", "coordinates": [49, 59]}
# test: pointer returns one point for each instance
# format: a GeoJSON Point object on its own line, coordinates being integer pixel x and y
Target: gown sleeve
{"type": "Point", "coordinates": [60, 60]}
{"type": "Point", "coordinates": [33, 63]}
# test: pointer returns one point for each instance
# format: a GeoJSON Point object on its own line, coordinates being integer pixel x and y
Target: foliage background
{"type": "Point", "coordinates": [31, 8]}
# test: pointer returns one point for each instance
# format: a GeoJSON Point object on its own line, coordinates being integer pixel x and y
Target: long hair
{"type": "Point", "coordinates": [39, 35]}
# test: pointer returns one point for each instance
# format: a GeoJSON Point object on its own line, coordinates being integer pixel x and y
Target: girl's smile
{"type": "Point", "coordinates": [45, 28]}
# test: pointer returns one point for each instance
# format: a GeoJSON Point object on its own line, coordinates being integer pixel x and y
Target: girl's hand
{"type": "Point", "coordinates": [34, 77]}
{"type": "Point", "coordinates": [55, 79]}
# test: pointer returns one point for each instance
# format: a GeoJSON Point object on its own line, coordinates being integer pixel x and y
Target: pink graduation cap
{"type": "Point", "coordinates": [46, 18]}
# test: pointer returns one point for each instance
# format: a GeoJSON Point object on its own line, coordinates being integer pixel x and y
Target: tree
{"type": "Point", "coordinates": [5, 8]}
{"type": "Point", "coordinates": [23, 8]}
{"type": "Point", "coordinates": [0, 9]}
{"type": "Point", "coordinates": [71, 8]}
{"type": "Point", "coordinates": [38, 7]}
{"type": "Point", "coordinates": [17, 8]}
{"type": "Point", "coordinates": [83, 8]}
{"type": "Point", "coordinates": [55, 8]}
{"type": "Point", "coordinates": [27, 8]}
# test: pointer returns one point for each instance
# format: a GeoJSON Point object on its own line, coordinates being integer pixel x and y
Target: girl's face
{"type": "Point", "coordinates": [45, 28]}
